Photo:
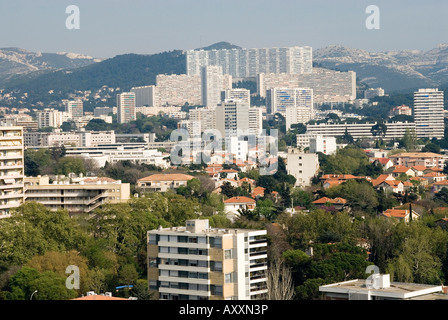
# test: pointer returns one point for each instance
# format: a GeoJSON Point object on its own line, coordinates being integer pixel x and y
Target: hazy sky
{"type": "Point", "coordinates": [112, 27]}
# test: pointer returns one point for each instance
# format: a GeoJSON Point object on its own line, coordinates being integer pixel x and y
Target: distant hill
{"type": "Point", "coordinates": [392, 70]}
{"type": "Point", "coordinates": [16, 62]}
{"type": "Point", "coordinates": [219, 46]}
{"type": "Point", "coordinates": [123, 71]}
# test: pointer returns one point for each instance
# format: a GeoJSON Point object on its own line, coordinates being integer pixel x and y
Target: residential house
{"type": "Point", "coordinates": [400, 214]}
{"type": "Point", "coordinates": [398, 170]}
{"type": "Point", "coordinates": [386, 163]}
{"type": "Point", "coordinates": [232, 205]}
{"type": "Point", "coordinates": [434, 177]}
{"type": "Point", "coordinates": [391, 186]}
{"type": "Point", "coordinates": [440, 185]}
{"type": "Point", "coordinates": [163, 182]}
{"type": "Point", "coordinates": [338, 203]}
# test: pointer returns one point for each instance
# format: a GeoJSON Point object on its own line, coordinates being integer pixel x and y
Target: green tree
{"type": "Point", "coordinates": [68, 165]}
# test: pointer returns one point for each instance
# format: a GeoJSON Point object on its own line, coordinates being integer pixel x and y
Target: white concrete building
{"type": "Point", "coordinates": [196, 262]}
{"type": "Point", "coordinates": [326, 145]}
{"type": "Point", "coordinates": [126, 107]}
{"type": "Point", "coordinates": [236, 94]}
{"type": "Point", "coordinates": [395, 130]}
{"type": "Point", "coordinates": [244, 63]}
{"type": "Point", "coordinates": [50, 117]}
{"type": "Point", "coordinates": [428, 113]}
{"type": "Point", "coordinates": [73, 138]}
{"type": "Point", "coordinates": [74, 108]}
{"type": "Point", "coordinates": [76, 195]}
{"type": "Point", "coordinates": [11, 169]}
{"type": "Point", "coordinates": [328, 86]}
{"type": "Point", "coordinates": [303, 166]}
{"type": "Point", "coordinates": [144, 96]}
{"type": "Point", "coordinates": [279, 99]}
{"type": "Point", "coordinates": [212, 85]}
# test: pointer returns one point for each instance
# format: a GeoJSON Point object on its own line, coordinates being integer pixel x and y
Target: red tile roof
{"type": "Point", "coordinates": [239, 200]}
{"type": "Point", "coordinates": [167, 177]}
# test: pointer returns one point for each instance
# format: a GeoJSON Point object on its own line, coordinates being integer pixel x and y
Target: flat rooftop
{"type": "Point", "coordinates": [396, 290]}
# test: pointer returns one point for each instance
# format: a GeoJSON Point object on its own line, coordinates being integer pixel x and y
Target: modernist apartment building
{"type": "Point", "coordinates": [126, 107]}
{"type": "Point", "coordinates": [279, 99]}
{"type": "Point", "coordinates": [11, 169]}
{"type": "Point", "coordinates": [82, 195]}
{"type": "Point", "coordinates": [197, 262]}
{"type": "Point", "coordinates": [236, 94]}
{"type": "Point", "coordinates": [50, 117]}
{"type": "Point", "coordinates": [303, 166]}
{"type": "Point", "coordinates": [428, 113]}
{"type": "Point", "coordinates": [212, 85]}
{"type": "Point", "coordinates": [74, 108]}
{"type": "Point", "coordinates": [395, 130]}
{"type": "Point", "coordinates": [73, 138]}
{"type": "Point", "coordinates": [328, 86]}
{"type": "Point", "coordinates": [144, 96]}
{"type": "Point", "coordinates": [246, 63]}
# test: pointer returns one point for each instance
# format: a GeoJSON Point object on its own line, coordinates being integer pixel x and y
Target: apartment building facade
{"type": "Point", "coordinates": [81, 195]}
{"type": "Point", "coordinates": [428, 113]}
{"type": "Point", "coordinates": [196, 262]}
{"type": "Point", "coordinates": [246, 63]}
{"type": "Point", "coordinates": [126, 107]}
{"type": "Point", "coordinates": [395, 130]}
{"type": "Point", "coordinates": [11, 169]}
{"type": "Point", "coordinates": [328, 86]}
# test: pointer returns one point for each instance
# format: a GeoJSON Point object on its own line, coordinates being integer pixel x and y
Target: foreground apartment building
{"type": "Point", "coordinates": [76, 195]}
{"type": "Point", "coordinates": [11, 169]}
{"type": "Point", "coordinates": [197, 262]}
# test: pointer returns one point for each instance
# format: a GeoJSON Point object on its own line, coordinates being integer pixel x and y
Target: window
{"type": "Point", "coordinates": [152, 239]}
{"type": "Point", "coordinates": [228, 277]}
{"type": "Point", "coordinates": [163, 249]}
{"type": "Point", "coordinates": [228, 254]}
{"type": "Point", "coordinates": [216, 265]}
{"type": "Point", "coordinates": [216, 242]}
{"type": "Point", "coordinates": [216, 290]}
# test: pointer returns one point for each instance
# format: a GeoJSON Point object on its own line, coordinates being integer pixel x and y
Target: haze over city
{"type": "Point", "coordinates": [113, 27]}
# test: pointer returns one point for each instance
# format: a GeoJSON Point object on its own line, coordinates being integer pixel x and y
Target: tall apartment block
{"type": "Point", "coordinates": [328, 86]}
{"type": "Point", "coordinates": [197, 262]}
{"type": "Point", "coordinates": [11, 169]}
{"type": "Point", "coordinates": [126, 107]}
{"type": "Point", "coordinates": [279, 99]}
{"type": "Point", "coordinates": [428, 113]}
{"type": "Point", "coordinates": [74, 108]}
{"type": "Point", "coordinates": [211, 85]}
{"type": "Point", "coordinates": [244, 63]}
{"type": "Point", "coordinates": [144, 96]}
{"type": "Point", "coordinates": [232, 117]}
{"type": "Point", "coordinates": [50, 117]}
{"type": "Point", "coordinates": [236, 94]}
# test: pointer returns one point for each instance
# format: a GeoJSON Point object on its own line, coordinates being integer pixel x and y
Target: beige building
{"type": "Point", "coordinates": [76, 195]}
{"type": "Point", "coordinates": [197, 262]}
{"type": "Point", "coordinates": [11, 169]}
{"type": "Point", "coordinates": [426, 159]}
{"type": "Point", "coordinates": [163, 182]}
